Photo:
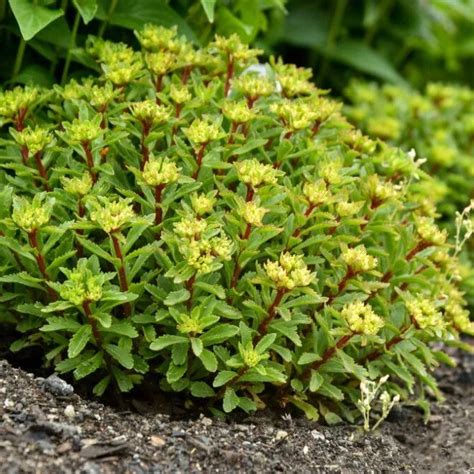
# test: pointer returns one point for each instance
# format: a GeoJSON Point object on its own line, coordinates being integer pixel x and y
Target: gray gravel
{"type": "Point", "coordinates": [46, 428]}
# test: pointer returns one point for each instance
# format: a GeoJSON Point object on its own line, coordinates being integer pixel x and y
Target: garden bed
{"type": "Point", "coordinates": [43, 429]}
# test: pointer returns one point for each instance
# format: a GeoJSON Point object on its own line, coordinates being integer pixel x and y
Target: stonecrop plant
{"type": "Point", "coordinates": [439, 125]}
{"type": "Point", "coordinates": [195, 219]}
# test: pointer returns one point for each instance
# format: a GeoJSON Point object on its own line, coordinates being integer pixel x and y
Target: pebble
{"type": "Point", "coordinates": [317, 435]}
{"type": "Point", "coordinates": [58, 386]}
{"type": "Point", "coordinates": [281, 434]}
{"type": "Point", "coordinates": [70, 412]}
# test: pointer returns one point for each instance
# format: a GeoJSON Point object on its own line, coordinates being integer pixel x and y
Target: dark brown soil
{"type": "Point", "coordinates": [45, 430]}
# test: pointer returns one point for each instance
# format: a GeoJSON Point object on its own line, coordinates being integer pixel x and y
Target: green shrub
{"type": "Point", "coordinates": [221, 230]}
{"type": "Point", "coordinates": [439, 125]}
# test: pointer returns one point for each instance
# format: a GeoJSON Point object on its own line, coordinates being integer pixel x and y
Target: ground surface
{"type": "Point", "coordinates": [46, 429]}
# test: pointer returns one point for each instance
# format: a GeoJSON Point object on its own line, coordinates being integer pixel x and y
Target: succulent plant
{"type": "Point", "coordinates": [439, 125]}
{"type": "Point", "coordinates": [217, 226]}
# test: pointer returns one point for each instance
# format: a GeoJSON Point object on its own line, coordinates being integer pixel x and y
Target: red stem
{"type": "Point", "coordinates": [144, 148]}
{"type": "Point", "coordinates": [199, 157]}
{"type": "Point", "coordinates": [250, 193]}
{"type": "Point", "coordinates": [92, 322]}
{"type": "Point", "coordinates": [263, 327]}
{"type": "Point", "coordinates": [33, 240]}
{"type": "Point", "coordinates": [229, 74]}
{"type": "Point", "coordinates": [418, 248]}
{"type": "Point", "coordinates": [42, 171]}
{"type": "Point", "coordinates": [307, 213]}
{"type": "Point", "coordinates": [89, 160]}
{"type": "Point", "coordinates": [20, 119]}
{"type": "Point", "coordinates": [122, 274]}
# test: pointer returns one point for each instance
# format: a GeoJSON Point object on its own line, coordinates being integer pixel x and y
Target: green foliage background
{"type": "Point", "coordinates": [399, 41]}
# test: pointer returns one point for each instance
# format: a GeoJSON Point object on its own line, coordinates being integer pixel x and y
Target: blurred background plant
{"type": "Point", "coordinates": [399, 41]}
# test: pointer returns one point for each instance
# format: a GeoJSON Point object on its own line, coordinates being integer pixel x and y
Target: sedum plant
{"type": "Point", "coordinates": [439, 125]}
{"type": "Point", "coordinates": [199, 221]}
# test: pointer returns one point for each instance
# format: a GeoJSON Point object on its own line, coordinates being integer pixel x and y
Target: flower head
{"type": "Point", "coordinates": [34, 139]}
{"type": "Point", "coordinates": [255, 174]}
{"type": "Point", "coordinates": [111, 216]}
{"type": "Point", "coordinates": [32, 215]}
{"type": "Point", "coordinates": [148, 111]}
{"type": "Point", "coordinates": [203, 131]}
{"type": "Point", "coordinates": [160, 171]}
{"type": "Point", "coordinates": [290, 272]}
{"type": "Point", "coordinates": [80, 186]}
{"type": "Point", "coordinates": [238, 111]}
{"type": "Point", "coordinates": [361, 318]}
{"type": "Point", "coordinates": [82, 130]}
{"type": "Point", "coordinates": [358, 259]}
{"type": "Point", "coordinates": [316, 192]}
{"type": "Point", "coordinates": [203, 203]}
{"type": "Point", "coordinates": [425, 313]}
{"type": "Point", "coordinates": [429, 231]}
{"type": "Point", "coordinates": [252, 213]}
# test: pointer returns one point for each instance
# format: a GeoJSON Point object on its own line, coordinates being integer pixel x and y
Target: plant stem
{"type": "Point", "coordinates": [122, 273]}
{"type": "Point", "coordinates": [229, 75]}
{"type": "Point", "coordinates": [92, 322]}
{"type": "Point", "coordinates": [263, 327]}
{"type": "Point", "coordinates": [34, 244]}
{"type": "Point", "coordinates": [199, 157]}
{"type": "Point", "coordinates": [105, 23]}
{"type": "Point", "coordinates": [144, 148]}
{"type": "Point", "coordinates": [190, 287]}
{"type": "Point", "coordinates": [42, 171]}
{"type": "Point", "coordinates": [158, 210]}
{"type": "Point", "coordinates": [19, 58]}
{"type": "Point", "coordinates": [86, 146]}
{"type": "Point", "coordinates": [72, 44]}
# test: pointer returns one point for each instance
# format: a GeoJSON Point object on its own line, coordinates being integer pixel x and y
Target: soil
{"type": "Point", "coordinates": [47, 428]}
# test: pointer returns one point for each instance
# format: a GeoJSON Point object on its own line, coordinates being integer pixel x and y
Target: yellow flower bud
{"type": "Point", "coordinates": [316, 193]}
{"type": "Point", "coordinates": [80, 186]}
{"type": "Point", "coordinates": [82, 130]}
{"type": "Point", "coordinates": [180, 94]}
{"type": "Point", "coordinates": [358, 259]}
{"type": "Point", "coordinates": [425, 313]}
{"type": "Point", "coordinates": [255, 174]}
{"type": "Point", "coordinates": [252, 213]}
{"type": "Point", "coordinates": [238, 111]}
{"type": "Point", "coordinates": [290, 272]}
{"type": "Point", "coordinates": [203, 131]}
{"type": "Point", "coordinates": [150, 112]}
{"type": "Point", "coordinates": [361, 318]}
{"type": "Point", "coordinates": [35, 140]}
{"type": "Point", "coordinates": [190, 227]}
{"type": "Point", "coordinates": [111, 216]}
{"type": "Point", "coordinates": [202, 203]}
{"type": "Point", "coordinates": [160, 63]}
{"type": "Point", "coordinates": [429, 231]}
{"type": "Point", "coordinates": [254, 85]}
{"type": "Point", "coordinates": [160, 171]}
{"type": "Point", "coordinates": [32, 215]}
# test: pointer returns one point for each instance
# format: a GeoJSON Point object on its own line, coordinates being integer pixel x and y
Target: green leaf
{"type": "Point", "coordinates": [176, 297]}
{"type": "Point", "coordinates": [165, 341]}
{"type": "Point", "coordinates": [124, 381]}
{"type": "Point", "coordinates": [121, 355]}
{"type": "Point", "coordinates": [308, 358]}
{"type": "Point", "coordinates": [363, 58]}
{"type": "Point", "coordinates": [209, 360]}
{"type": "Point", "coordinates": [60, 324]}
{"type": "Point", "coordinates": [209, 7]}
{"type": "Point", "coordinates": [101, 387]}
{"type": "Point", "coordinates": [201, 390]}
{"type": "Point", "coordinates": [223, 377]}
{"type": "Point", "coordinates": [134, 14]}
{"type": "Point", "coordinates": [89, 366]}
{"type": "Point", "coordinates": [86, 8]}
{"type": "Point", "coordinates": [331, 391]}
{"type": "Point", "coordinates": [197, 346]}
{"type": "Point", "coordinates": [32, 18]}
{"type": "Point", "coordinates": [265, 343]}
{"type": "Point", "coordinates": [231, 400]}
{"type": "Point", "coordinates": [123, 328]}
{"type": "Point", "coordinates": [219, 334]}
{"type": "Point", "coordinates": [309, 410]}
{"type": "Point", "coordinates": [315, 381]}
{"type": "Point", "coordinates": [175, 372]}
{"type": "Point", "coordinates": [79, 341]}
{"type": "Point", "coordinates": [216, 290]}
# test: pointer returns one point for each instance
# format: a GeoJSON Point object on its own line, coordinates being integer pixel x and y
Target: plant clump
{"type": "Point", "coordinates": [217, 227]}
{"type": "Point", "coordinates": [439, 125]}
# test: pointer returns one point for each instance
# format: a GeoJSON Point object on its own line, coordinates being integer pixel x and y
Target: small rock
{"type": "Point", "coordinates": [70, 412]}
{"type": "Point", "coordinates": [305, 450]}
{"type": "Point", "coordinates": [58, 386]}
{"type": "Point", "coordinates": [206, 421]}
{"type": "Point", "coordinates": [157, 441]}
{"type": "Point", "coordinates": [281, 434]}
{"type": "Point", "coordinates": [317, 435]}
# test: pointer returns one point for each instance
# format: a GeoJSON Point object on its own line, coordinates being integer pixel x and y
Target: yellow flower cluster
{"type": "Point", "coordinates": [32, 215]}
{"type": "Point", "coordinates": [160, 171]}
{"type": "Point", "coordinates": [356, 140]}
{"type": "Point", "coordinates": [330, 171]}
{"type": "Point", "coordinates": [189, 324]}
{"type": "Point", "coordinates": [202, 254]}
{"type": "Point", "coordinates": [255, 174]}
{"type": "Point", "coordinates": [158, 38]}
{"type": "Point", "coordinates": [111, 216]}
{"type": "Point", "coordinates": [361, 318]}
{"type": "Point", "coordinates": [290, 272]}
{"type": "Point", "coordinates": [81, 130]}
{"type": "Point", "coordinates": [203, 203]}
{"type": "Point", "coordinates": [316, 192]}
{"type": "Point", "coordinates": [80, 186]}
{"type": "Point", "coordinates": [294, 81]}
{"type": "Point", "coordinates": [101, 96]}
{"type": "Point", "coordinates": [425, 313]}
{"type": "Point", "coordinates": [13, 101]}
{"type": "Point", "coordinates": [348, 209]}
{"type": "Point", "coordinates": [380, 191]}
{"type": "Point", "coordinates": [150, 112]}
{"type": "Point", "coordinates": [180, 93]}
{"type": "Point", "coordinates": [295, 115]}
{"type": "Point", "coordinates": [190, 227]}
{"type": "Point", "coordinates": [252, 213]}
{"type": "Point", "coordinates": [82, 285]}
{"type": "Point", "coordinates": [232, 46]}
{"type": "Point", "coordinates": [429, 231]}
{"type": "Point", "coordinates": [358, 259]}
{"type": "Point", "coordinates": [161, 62]}
{"type": "Point", "coordinates": [203, 131]}
{"type": "Point", "coordinates": [34, 139]}
{"type": "Point", "coordinates": [254, 85]}
{"type": "Point", "coordinates": [238, 111]}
